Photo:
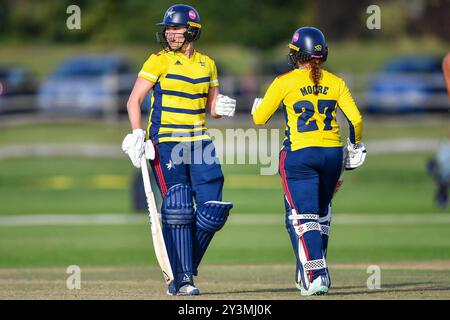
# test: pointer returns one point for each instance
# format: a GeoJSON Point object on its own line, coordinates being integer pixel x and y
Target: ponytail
{"type": "Point", "coordinates": [316, 73]}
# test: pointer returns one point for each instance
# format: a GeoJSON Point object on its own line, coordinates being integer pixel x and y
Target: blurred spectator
{"type": "Point", "coordinates": [138, 194]}
{"type": "Point", "coordinates": [439, 168]}
{"type": "Point", "coordinates": [139, 199]}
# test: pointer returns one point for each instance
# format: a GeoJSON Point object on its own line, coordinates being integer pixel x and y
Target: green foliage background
{"type": "Point", "coordinates": [252, 23]}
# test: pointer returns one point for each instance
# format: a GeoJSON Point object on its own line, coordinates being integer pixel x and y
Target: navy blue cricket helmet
{"type": "Point", "coordinates": [307, 43]}
{"type": "Point", "coordinates": [181, 15]}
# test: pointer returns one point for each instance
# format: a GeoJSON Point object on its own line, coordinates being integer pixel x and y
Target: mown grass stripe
{"type": "Point", "coordinates": [234, 219]}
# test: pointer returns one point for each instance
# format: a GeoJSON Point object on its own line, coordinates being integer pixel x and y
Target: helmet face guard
{"type": "Point", "coordinates": [295, 55]}
{"type": "Point", "coordinates": [180, 16]}
{"type": "Point", "coordinates": [162, 39]}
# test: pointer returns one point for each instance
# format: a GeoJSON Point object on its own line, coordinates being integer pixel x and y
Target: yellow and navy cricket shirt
{"type": "Point", "coordinates": [178, 104]}
{"type": "Point", "coordinates": [310, 119]}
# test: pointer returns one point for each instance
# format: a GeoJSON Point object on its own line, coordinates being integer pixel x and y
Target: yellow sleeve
{"type": "Point", "coordinates": [153, 68]}
{"type": "Point", "coordinates": [274, 95]}
{"type": "Point", "coordinates": [351, 112]}
{"type": "Point", "coordinates": [213, 81]}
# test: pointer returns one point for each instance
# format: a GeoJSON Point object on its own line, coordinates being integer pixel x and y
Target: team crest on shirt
{"type": "Point", "coordinates": [170, 165]}
{"type": "Point", "coordinates": [202, 63]}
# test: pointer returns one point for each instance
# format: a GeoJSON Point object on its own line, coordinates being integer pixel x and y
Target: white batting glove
{"type": "Point", "coordinates": [134, 146]}
{"type": "Point", "coordinates": [149, 150]}
{"type": "Point", "coordinates": [225, 106]}
{"type": "Point", "coordinates": [356, 155]}
{"type": "Point", "coordinates": [256, 103]}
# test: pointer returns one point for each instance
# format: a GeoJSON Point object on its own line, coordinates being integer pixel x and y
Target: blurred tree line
{"type": "Point", "coordinates": [246, 22]}
{"type": "Point", "coordinates": [262, 24]}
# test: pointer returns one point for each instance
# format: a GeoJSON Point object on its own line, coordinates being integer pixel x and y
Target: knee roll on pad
{"type": "Point", "coordinates": [178, 207]}
{"type": "Point", "coordinates": [212, 215]}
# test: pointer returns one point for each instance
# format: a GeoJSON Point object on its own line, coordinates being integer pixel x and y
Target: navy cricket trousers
{"type": "Point", "coordinates": [309, 177]}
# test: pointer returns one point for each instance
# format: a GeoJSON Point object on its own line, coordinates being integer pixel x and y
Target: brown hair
{"type": "Point", "coordinates": [316, 73]}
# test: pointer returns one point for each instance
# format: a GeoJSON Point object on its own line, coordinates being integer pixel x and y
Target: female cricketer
{"type": "Point", "coordinates": [312, 155]}
{"type": "Point", "coordinates": [185, 85]}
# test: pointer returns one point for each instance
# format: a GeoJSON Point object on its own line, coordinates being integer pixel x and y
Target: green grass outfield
{"type": "Point", "coordinates": [386, 184]}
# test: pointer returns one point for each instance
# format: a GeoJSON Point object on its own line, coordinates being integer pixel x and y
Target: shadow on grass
{"type": "Point", "coordinates": [275, 290]}
{"type": "Point", "coordinates": [386, 288]}
{"type": "Point", "coordinates": [392, 285]}
{"type": "Point", "coordinates": [391, 288]}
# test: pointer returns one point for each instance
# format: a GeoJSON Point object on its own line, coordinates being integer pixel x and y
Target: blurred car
{"type": "Point", "coordinates": [409, 84]}
{"type": "Point", "coordinates": [17, 89]}
{"type": "Point", "coordinates": [91, 84]}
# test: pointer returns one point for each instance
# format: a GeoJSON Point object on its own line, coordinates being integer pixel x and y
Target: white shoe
{"type": "Point", "coordinates": [186, 290]}
{"type": "Point", "coordinates": [318, 287]}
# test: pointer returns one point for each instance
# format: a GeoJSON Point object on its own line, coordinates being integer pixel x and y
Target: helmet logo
{"type": "Point", "coordinates": [318, 47]}
{"type": "Point", "coordinates": [192, 14]}
{"type": "Point", "coordinates": [295, 37]}
{"type": "Point", "coordinates": [170, 13]}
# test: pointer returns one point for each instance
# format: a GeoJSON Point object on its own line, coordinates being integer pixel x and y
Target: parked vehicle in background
{"type": "Point", "coordinates": [17, 90]}
{"type": "Point", "coordinates": [89, 84]}
{"type": "Point", "coordinates": [409, 84]}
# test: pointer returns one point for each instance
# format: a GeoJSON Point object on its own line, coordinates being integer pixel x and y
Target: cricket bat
{"type": "Point", "coordinates": [155, 223]}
